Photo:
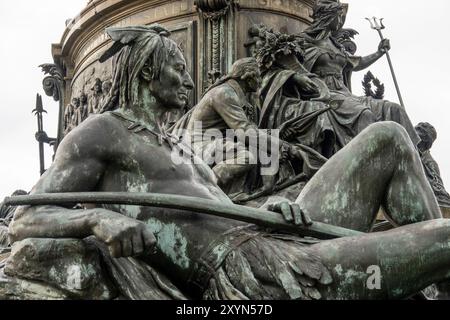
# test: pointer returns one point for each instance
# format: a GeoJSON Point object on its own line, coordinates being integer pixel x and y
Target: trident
{"type": "Point", "coordinates": [377, 24]}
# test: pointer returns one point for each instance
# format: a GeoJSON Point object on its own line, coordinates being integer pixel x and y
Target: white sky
{"type": "Point", "coordinates": [417, 30]}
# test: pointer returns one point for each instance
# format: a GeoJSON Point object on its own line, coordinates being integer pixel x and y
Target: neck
{"type": "Point", "coordinates": [243, 85]}
{"type": "Point", "coordinates": [148, 111]}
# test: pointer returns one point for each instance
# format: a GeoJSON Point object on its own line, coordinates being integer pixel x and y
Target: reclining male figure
{"type": "Point", "coordinates": [107, 153]}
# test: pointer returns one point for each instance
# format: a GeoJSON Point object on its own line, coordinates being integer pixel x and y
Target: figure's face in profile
{"type": "Point", "coordinates": [174, 84]}
{"type": "Point", "coordinates": [338, 22]}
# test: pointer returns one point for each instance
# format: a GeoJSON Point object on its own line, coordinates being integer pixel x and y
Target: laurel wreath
{"type": "Point", "coordinates": [369, 80]}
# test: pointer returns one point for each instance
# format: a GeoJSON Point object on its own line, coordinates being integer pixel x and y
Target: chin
{"type": "Point", "coordinates": [178, 105]}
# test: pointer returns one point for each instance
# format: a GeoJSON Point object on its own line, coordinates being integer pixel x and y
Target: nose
{"type": "Point", "coordinates": [188, 83]}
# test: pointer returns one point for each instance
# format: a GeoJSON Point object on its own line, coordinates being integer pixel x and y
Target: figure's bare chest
{"type": "Point", "coordinates": [144, 164]}
{"type": "Point", "coordinates": [148, 156]}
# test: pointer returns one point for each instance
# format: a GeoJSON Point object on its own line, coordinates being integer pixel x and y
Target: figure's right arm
{"type": "Point", "coordinates": [78, 167]}
{"type": "Point", "coordinates": [228, 105]}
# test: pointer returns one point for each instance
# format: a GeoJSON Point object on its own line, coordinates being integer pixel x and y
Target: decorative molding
{"type": "Point", "coordinates": [216, 17]}
{"type": "Point", "coordinates": [53, 85]}
{"type": "Point", "coordinates": [54, 82]}
{"type": "Point", "coordinates": [213, 10]}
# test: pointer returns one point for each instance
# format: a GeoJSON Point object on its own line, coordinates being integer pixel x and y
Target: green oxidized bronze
{"type": "Point", "coordinates": [151, 229]}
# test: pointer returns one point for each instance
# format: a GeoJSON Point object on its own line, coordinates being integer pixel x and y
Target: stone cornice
{"type": "Point", "coordinates": [99, 14]}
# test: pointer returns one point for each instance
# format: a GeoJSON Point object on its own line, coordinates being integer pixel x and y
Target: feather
{"type": "Point", "coordinates": [115, 48]}
{"type": "Point", "coordinates": [124, 36]}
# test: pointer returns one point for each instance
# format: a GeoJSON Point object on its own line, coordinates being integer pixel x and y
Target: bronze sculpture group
{"type": "Point", "coordinates": [354, 155]}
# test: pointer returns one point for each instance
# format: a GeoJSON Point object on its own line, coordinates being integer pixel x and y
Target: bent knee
{"type": "Point", "coordinates": [391, 135]}
{"type": "Point", "coordinates": [388, 131]}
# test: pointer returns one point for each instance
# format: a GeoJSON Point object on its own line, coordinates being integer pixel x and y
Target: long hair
{"type": "Point", "coordinates": [324, 12]}
{"type": "Point", "coordinates": [238, 70]}
{"type": "Point", "coordinates": [135, 48]}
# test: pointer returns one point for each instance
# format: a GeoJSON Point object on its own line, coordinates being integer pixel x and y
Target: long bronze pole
{"type": "Point", "coordinates": [378, 25]}
{"type": "Point", "coordinates": [203, 206]}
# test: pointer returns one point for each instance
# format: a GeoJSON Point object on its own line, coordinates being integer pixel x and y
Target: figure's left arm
{"type": "Point", "coordinates": [367, 61]}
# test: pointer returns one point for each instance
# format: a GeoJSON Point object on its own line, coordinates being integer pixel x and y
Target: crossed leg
{"type": "Point", "coordinates": [379, 168]}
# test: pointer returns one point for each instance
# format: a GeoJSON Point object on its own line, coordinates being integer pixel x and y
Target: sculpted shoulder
{"type": "Point", "coordinates": [223, 94]}
{"type": "Point", "coordinates": [97, 135]}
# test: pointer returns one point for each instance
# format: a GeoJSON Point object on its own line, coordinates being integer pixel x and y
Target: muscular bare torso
{"type": "Point", "coordinates": [137, 163]}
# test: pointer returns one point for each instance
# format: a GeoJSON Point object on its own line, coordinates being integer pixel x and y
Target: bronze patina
{"type": "Point", "coordinates": [133, 208]}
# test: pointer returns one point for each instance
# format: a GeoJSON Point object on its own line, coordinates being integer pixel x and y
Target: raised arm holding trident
{"type": "Point", "coordinates": [326, 57]}
{"type": "Point", "coordinates": [377, 24]}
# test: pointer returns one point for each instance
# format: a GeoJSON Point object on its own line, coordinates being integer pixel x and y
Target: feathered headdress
{"type": "Point", "coordinates": [133, 47]}
{"type": "Point", "coordinates": [125, 36]}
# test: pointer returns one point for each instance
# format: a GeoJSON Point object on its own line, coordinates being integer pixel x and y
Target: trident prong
{"type": "Point", "coordinates": [377, 24]}
{"type": "Point", "coordinates": [371, 23]}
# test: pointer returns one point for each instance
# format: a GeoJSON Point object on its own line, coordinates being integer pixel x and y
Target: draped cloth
{"type": "Point", "coordinates": [257, 265]}
{"type": "Point", "coordinates": [332, 127]}
{"type": "Point", "coordinates": [220, 111]}
{"type": "Point", "coordinates": [357, 113]}
{"type": "Point", "coordinates": [244, 263]}
{"type": "Point", "coordinates": [135, 279]}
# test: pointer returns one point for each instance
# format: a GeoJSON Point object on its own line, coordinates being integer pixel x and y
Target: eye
{"type": "Point", "coordinates": [181, 68]}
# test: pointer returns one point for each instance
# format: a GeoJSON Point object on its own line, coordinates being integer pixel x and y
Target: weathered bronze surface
{"type": "Point", "coordinates": [138, 204]}
{"type": "Point", "coordinates": [428, 136]}
{"type": "Point", "coordinates": [210, 34]}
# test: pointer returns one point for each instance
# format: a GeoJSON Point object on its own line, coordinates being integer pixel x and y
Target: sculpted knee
{"type": "Point", "coordinates": [401, 142]}
{"type": "Point", "coordinates": [389, 132]}
{"type": "Point", "coordinates": [396, 132]}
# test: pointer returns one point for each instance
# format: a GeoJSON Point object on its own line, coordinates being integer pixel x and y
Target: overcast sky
{"type": "Point", "coordinates": [417, 30]}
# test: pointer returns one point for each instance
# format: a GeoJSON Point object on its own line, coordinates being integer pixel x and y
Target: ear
{"type": "Point", "coordinates": [147, 73]}
{"type": "Point", "coordinates": [245, 76]}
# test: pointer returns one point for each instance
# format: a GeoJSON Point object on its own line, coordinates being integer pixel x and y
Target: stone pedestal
{"type": "Point", "coordinates": [211, 34]}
